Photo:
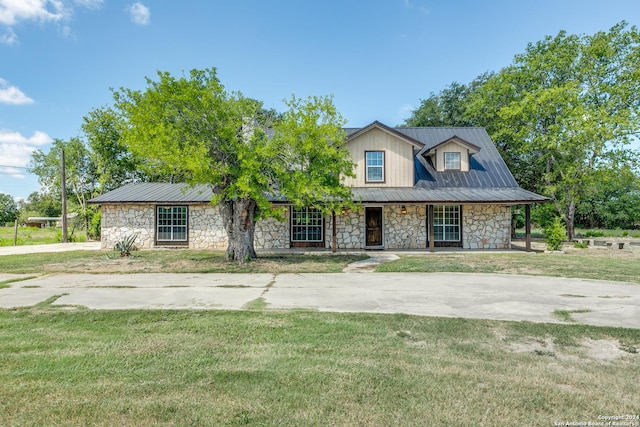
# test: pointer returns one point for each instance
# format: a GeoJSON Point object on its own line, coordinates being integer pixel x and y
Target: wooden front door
{"type": "Point", "coordinates": [373, 220]}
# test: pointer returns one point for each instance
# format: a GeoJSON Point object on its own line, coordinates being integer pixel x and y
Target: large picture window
{"type": "Point", "coordinates": [374, 166]}
{"type": "Point", "coordinates": [446, 223]}
{"type": "Point", "coordinates": [306, 225]}
{"type": "Point", "coordinates": [171, 224]}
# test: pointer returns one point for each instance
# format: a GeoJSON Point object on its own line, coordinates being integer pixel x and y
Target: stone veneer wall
{"type": "Point", "coordinates": [206, 229]}
{"type": "Point", "coordinates": [486, 227]}
{"type": "Point", "coordinates": [349, 230]}
{"type": "Point", "coordinates": [119, 221]}
{"type": "Point", "coordinates": [401, 231]}
{"type": "Point", "coordinates": [272, 234]}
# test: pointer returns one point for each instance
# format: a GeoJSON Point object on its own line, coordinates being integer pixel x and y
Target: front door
{"type": "Point", "coordinates": [373, 220]}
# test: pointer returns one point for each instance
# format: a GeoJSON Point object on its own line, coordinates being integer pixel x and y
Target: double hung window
{"type": "Point", "coordinates": [452, 161]}
{"type": "Point", "coordinates": [446, 223]}
{"type": "Point", "coordinates": [374, 166]}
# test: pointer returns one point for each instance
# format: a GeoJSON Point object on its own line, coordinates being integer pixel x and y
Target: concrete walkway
{"type": "Point", "coordinates": [48, 248]}
{"type": "Point", "coordinates": [480, 296]}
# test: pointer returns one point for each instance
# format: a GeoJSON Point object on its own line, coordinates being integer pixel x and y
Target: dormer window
{"type": "Point", "coordinates": [452, 161]}
{"type": "Point", "coordinates": [374, 166]}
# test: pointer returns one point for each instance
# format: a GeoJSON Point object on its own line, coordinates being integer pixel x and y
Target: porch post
{"type": "Point", "coordinates": [334, 235]}
{"type": "Point", "coordinates": [431, 231]}
{"type": "Point", "coordinates": [527, 226]}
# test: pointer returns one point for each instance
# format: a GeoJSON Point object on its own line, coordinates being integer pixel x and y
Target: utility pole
{"type": "Point", "coordinates": [64, 198]}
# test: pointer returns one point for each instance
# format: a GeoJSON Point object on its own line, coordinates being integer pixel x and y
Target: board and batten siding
{"type": "Point", "coordinates": [398, 159]}
{"type": "Point", "coordinates": [452, 147]}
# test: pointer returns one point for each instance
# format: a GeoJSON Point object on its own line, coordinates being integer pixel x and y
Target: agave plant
{"type": "Point", "coordinates": [126, 245]}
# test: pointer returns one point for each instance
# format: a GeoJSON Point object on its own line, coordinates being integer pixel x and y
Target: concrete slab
{"type": "Point", "coordinates": [161, 298]}
{"type": "Point", "coordinates": [25, 297]}
{"type": "Point", "coordinates": [482, 296]}
{"type": "Point", "coordinates": [151, 280]}
{"type": "Point", "coordinates": [51, 247]}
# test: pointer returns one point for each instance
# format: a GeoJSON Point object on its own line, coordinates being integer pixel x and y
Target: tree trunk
{"type": "Point", "coordinates": [570, 220]}
{"type": "Point", "coordinates": [238, 222]}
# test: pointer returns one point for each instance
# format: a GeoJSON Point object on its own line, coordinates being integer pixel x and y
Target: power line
{"type": "Point", "coordinates": [15, 167]}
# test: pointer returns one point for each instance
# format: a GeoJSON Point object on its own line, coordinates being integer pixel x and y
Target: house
{"type": "Point", "coordinates": [419, 188]}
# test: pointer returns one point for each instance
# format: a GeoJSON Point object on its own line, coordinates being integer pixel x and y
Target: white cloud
{"type": "Point", "coordinates": [12, 95]}
{"type": "Point", "coordinates": [16, 150]}
{"type": "Point", "coordinates": [140, 14]}
{"type": "Point", "coordinates": [14, 12]}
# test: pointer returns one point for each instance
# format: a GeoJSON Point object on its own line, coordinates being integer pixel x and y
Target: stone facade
{"type": "Point", "coordinates": [120, 221]}
{"type": "Point", "coordinates": [483, 227]}
{"type": "Point", "coordinates": [486, 227]}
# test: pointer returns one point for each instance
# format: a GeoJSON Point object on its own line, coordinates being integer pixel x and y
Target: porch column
{"type": "Point", "coordinates": [527, 227]}
{"type": "Point", "coordinates": [431, 231]}
{"type": "Point", "coordinates": [334, 235]}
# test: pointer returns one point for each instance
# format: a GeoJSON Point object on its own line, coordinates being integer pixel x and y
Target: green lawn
{"type": "Point", "coordinates": [74, 367]}
{"type": "Point", "coordinates": [35, 236]}
{"type": "Point", "coordinates": [582, 263]}
{"type": "Point", "coordinates": [170, 261]}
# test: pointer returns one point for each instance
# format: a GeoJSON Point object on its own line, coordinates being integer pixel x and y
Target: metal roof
{"type": "Point", "coordinates": [156, 192]}
{"type": "Point", "coordinates": [514, 195]}
{"type": "Point", "coordinates": [487, 181]}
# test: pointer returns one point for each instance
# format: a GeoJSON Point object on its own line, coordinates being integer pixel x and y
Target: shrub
{"type": "Point", "coordinates": [555, 234]}
{"type": "Point", "coordinates": [126, 245]}
{"type": "Point", "coordinates": [581, 245]}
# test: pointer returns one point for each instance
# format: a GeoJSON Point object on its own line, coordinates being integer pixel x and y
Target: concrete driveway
{"type": "Point", "coordinates": [480, 296]}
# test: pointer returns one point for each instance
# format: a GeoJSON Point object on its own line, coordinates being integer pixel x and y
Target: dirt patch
{"type": "Point", "coordinates": [604, 350]}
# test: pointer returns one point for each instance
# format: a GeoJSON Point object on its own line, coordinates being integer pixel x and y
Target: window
{"type": "Point", "coordinates": [451, 161]}
{"type": "Point", "coordinates": [446, 223]}
{"type": "Point", "coordinates": [374, 166]}
{"type": "Point", "coordinates": [306, 225]}
{"type": "Point", "coordinates": [172, 224]}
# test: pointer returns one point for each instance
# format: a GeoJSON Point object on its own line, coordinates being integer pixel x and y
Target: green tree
{"type": "Point", "coordinates": [80, 173]}
{"type": "Point", "coordinates": [561, 115]}
{"type": "Point", "coordinates": [114, 165]}
{"type": "Point", "coordinates": [193, 126]}
{"type": "Point", "coordinates": [567, 108]}
{"type": "Point", "coordinates": [8, 209]}
{"type": "Point", "coordinates": [41, 204]}
{"type": "Point", "coordinates": [449, 107]}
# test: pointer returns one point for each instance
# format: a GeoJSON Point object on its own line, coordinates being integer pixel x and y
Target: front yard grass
{"type": "Point", "coordinates": [171, 261]}
{"type": "Point", "coordinates": [66, 366]}
{"type": "Point", "coordinates": [597, 264]}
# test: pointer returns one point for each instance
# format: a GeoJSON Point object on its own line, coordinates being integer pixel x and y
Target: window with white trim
{"type": "Point", "coordinates": [452, 161]}
{"type": "Point", "coordinates": [306, 225]}
{"type": "Point", "coordinates": [374, 166]}
{"type": "Point", "coordinates": [446, 223]}
{"type": "Point", "coordinates": [171, 222]}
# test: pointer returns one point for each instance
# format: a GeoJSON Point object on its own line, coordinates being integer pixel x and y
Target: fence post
{"type": "Point", "coordinates": [15, 233]}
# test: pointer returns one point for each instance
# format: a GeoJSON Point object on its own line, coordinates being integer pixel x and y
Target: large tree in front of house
{"type": "Point", "coordinates": [193, 126]}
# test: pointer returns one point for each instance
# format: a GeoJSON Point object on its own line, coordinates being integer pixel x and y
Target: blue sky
{"type": "Point", "coordinates": [59, 58]}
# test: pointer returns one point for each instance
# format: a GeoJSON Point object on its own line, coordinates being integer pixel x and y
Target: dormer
{"type": "Point", "coordinates": [383, 157]}
{"type": "Point", "coordinates": [450, 155]}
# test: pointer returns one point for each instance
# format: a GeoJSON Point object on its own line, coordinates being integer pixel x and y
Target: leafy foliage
{"type": "Point", "coordinates": [208, 135]}
{"type": "Point", "coordinates": [555, 235]}
{"type": "Point", "coordinates": [562, 114]}
{"type": "Point", "coordinates": [8, 209]}
{"type": "Point", "coordinates": [126, 245]}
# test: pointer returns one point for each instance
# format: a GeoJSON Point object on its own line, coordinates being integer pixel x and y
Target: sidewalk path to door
{"type": "Point", "coordinates": [480, 296]}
